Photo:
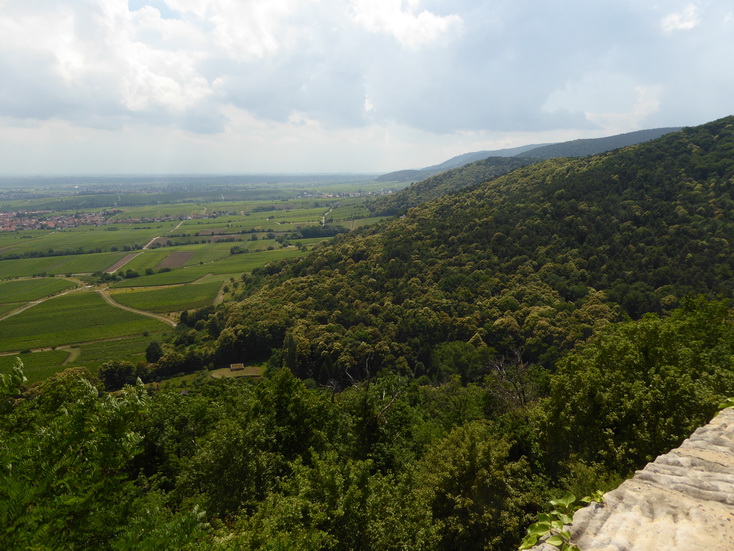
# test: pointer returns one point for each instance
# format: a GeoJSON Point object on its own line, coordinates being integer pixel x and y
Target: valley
{"type": "Point", "coordinates": [419, 369]}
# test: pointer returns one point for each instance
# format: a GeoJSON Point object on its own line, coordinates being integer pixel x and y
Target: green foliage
{"type": "Point", "coordinates": [153, 352]}
{"type": "Point", "coordinates": [117, 373]}
{"type": "Point", "coordinates": [11, 383]}
{"type": "Point", "coordinates": [551, 528]}
{"type": "Point", "coordinates": [536, 260]}
{"type": "Point", "coordinates": [447, 182]}
{"type": "Point", "coordinates": [475, 492]}
{"type": "Point", "coordinates": [637, 389]}
{"type": "Point", "coordinates": [60, 486]}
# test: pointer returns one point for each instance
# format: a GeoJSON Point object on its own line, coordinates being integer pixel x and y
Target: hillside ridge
{"type": "Point", "coordinates": [572, 148]}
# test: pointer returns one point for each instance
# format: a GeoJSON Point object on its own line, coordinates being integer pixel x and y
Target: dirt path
{"type": "Point", "coordinates": [120, 263]}
{"type": "Point", "coordinates": [327, 213]}
{"type": "Point", "coordinates": [73, 356]}
{"type": "Point", "coordinates": [149, 243]}
{"type": "Point", "coordinates": [220, 294]}
{"type": "Point", "coordinates": [106, 296]}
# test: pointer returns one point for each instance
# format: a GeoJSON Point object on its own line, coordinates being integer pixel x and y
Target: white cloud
{"type": "Point", "coordinates": [401, 19]}
{"type": "Point", "coordinates": [684, 20]}
{"type": "Point", "coordinates": [244, 30]}
{"type": "Point", "coordinates": [315, 81]}
{"type": "Point", "coordinates": [647, 102]}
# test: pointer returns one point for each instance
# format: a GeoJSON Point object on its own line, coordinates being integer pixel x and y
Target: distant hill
{"type": "Point", "coordinates": [467, 158]}
{"type": "Point", "coordinates": [416, 175]}
{"type": "Point", "coordinates": [470, 169]}
{"type": "Point", "coordinates": [573, 148]}
{"type": "Point", "coordinates": [594, 146]}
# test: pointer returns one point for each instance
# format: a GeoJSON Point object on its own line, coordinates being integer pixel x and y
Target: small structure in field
{"type": "Point", "coordinates": [236, 367]}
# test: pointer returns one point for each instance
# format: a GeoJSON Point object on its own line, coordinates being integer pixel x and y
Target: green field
{"type": "Point", "coordinates": [236, 264]}
{"type": "Point", "coordinates": [37, 365]}
{"type": "Point", "coordinates": [348, 213]}
{"type": "Point", "coordinates": [146, 259]}
{"type": "Point", "coordinates": [11, 239]}
{"type": "Point", "coordinates": [78, 317]}
{"type": "Point", "coordinates": [174, 277]}
{"type": "Point", "coordinates": [5, 308]}
{"type": "Point", "coordinates": [170, 299]}
{"type": "Point", "coordinates": [195, 219]}
{"type": "Point", "coordinates": [131, 349]}
{"type": "Point", "coordinates": [89, 238]}
{"type": "Point", "coordinates": [24, 290]}
{"type": "Point", "coordinates": [58, 265]}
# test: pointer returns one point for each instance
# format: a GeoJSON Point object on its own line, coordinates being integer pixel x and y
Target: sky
{"type": "Point", "coordinates": [280, 86]}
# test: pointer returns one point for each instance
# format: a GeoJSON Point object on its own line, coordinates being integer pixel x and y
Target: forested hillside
{"type": "Point", "coordinates": [447, 182]}
{"type": "Point", "coordinates": [594, 146]}
{"type": "Point", "coordinates": [534, 260]}
{"type": "Point", "coordinates": [431, 381]}
{"type": "Point", "coordinates": [573, 148]}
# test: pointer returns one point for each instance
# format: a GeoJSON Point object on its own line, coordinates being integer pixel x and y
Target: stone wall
{"type": "Point", "coordinates": [682, 501]}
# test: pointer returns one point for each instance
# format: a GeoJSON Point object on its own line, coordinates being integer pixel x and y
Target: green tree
{"type": "Point", "coordinates": [637, 389]}
{"type": "Point", "coordinates": [153, 352]}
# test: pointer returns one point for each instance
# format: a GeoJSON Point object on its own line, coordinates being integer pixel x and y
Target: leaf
{"type": "Point", "coordinates": [545, 517]}
{"type": "Point", "coordinates": [539, 528]}
{"type": "Point", "coordinates": [555, 540]}
{"type": "Point", "coordinates": [528, 542]}
{"type": "Point", "coordinates": [566, 501]}
{"type": "Point", "coordinates": [566, 519]}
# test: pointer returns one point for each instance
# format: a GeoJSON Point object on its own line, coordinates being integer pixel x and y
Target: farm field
{"type": "Point", "coordinates": [24, 290]}
{"type": "Point", "coordinates": [170, 299]}
{"type": "Point", "coordinates": [88, 238]}
{"type": "Point", "coordinates": [189, 232]}
{"type": "Point", "coordinates": [58, 265]}
{"type": "Point", "coordinates": [236, 264]}
{"type": "Point", "coordinates": [131, 349]}
{"type": "Point", "coordinates": [37, 365]}
{"type": "Point", "coordinates": [11, 239]}
{"type": "Point", "coordinates": [73, 318]}
{"type": "Point", "coordinates": [9, 307]}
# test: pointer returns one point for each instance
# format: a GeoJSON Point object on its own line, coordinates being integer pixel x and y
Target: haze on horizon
{"type": "Point", "coordinates": [276, 86]}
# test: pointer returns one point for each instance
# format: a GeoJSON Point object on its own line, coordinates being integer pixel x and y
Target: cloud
{"type": "Point", "coordinates": [401, 20]}
{"type": "Point", "coordinates": [339, 71]}
{"type": "Point", "coordinates": [612, 102]}
{"type": "Point", "coordinates": [685, 20]}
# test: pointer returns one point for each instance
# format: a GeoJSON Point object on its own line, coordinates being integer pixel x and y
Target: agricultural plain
{"type": "Point", "coordinates": [94, 270]}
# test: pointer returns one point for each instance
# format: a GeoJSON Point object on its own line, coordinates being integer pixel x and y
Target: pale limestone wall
{"type": "Point", "coordinates": [682, 501]}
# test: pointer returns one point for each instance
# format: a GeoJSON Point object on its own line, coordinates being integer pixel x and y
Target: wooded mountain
{"type": "Point", "coordinates": [594, 146]}
{"type": "Point", "coordinates": [444, 183]}
{"type": "Point", "coordinates": [533, 260]}
{"type": "Point", "coordinates": [573, 148]}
